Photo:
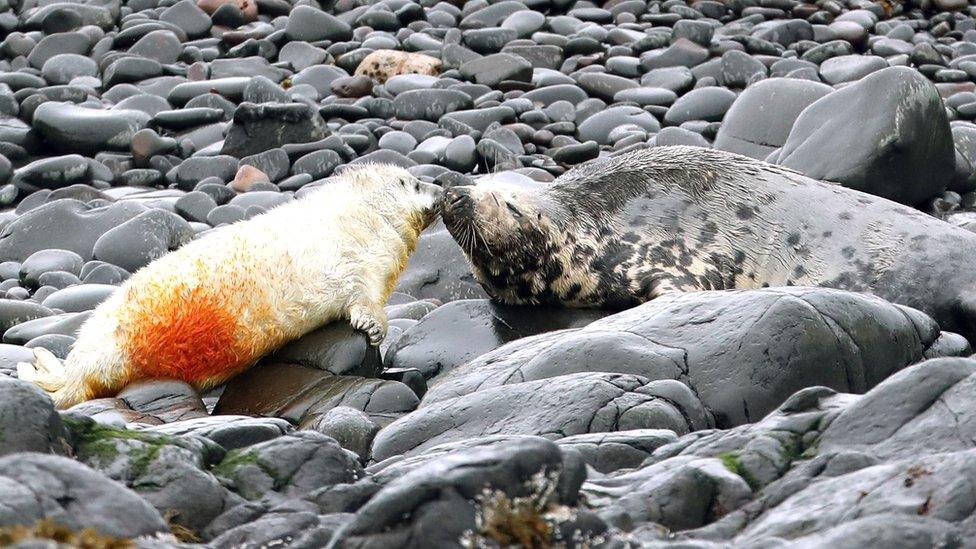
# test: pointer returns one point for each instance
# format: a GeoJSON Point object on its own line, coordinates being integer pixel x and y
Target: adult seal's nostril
{"type": "Point", "coordinates": [455, 199]}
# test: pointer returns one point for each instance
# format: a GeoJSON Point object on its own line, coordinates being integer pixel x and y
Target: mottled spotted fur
{"type": "Point", "coordinates": [625, 229]}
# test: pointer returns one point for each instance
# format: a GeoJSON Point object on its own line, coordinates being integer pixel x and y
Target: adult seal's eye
{"type": "Point", "coordinates": [513, 209]}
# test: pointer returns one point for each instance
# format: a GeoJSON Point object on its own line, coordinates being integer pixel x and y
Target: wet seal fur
{"type": "Point", "coordinates": [213, 307]}
{"type": "Point", "coordinates": [623, 230]}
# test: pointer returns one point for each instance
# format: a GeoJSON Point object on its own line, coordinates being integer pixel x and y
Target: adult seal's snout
{"type": "Point", "coordinates": [623, 230]}
{"type": "Point", "coordinates": [455, 201]}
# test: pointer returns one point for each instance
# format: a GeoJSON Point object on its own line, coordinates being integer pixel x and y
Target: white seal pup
{"type": "Point", "coordinates": [212, 308]}
{"type": "Point", "coordinates": [625, 229]}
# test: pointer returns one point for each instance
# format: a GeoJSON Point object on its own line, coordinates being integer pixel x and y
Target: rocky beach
{"type": "Point", "coordinates": [770, 417]}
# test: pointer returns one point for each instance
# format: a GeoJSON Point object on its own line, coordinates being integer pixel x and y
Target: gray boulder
{"type": "Point", "coordinates": [743, 352]}
{"type": "Point", "coordinates": [168, 472]}
{"type": "Point", "coordinates": [926, 485]}
{"type": "Point", "coordinates": [259, 127]}
{"type": "Point", "coordinates": [928, 406]}
{"type": "Point", "coordinates": [762, 116]}
{"type": "Point", "coordinates": [900, 149]}
{"type": "Point", "coordinates": [63, 224]}
{"type": "Point", "coordinates": [556, 407]}
{"type": "Point", "coordinates": [437, 269]}
{"type": "Point", "coordinates": [229, 431]}
{"type": "Point", "coordinates": [501, 493]}
{"type": "Point", "coordinates": [28, 421]}
{"type": "Point", "coordinates": [37, 486]}
{"type": "Point", "coordinates": [301, 394]}
{"type": "Point", "coordinates": [288, 466]}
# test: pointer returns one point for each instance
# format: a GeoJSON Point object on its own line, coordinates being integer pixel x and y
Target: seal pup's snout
{"type": "Point", "coordinates": [434, 192]}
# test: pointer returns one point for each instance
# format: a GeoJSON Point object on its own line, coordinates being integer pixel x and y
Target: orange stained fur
{"type": "Point", "coordinates": [185, 332]}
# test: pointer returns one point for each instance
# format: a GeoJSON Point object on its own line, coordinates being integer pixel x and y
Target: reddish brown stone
{"type": "Point", "coordinates": [246, 177]}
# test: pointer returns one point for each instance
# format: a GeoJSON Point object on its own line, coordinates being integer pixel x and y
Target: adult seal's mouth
{"type": "Point", "coordinates": [457, 205]}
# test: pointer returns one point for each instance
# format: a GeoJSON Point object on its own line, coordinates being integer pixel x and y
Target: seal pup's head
{"type": "Point", "coordinates": [512, 236]}
{"type": "Point", "coordinates": [406, 202]}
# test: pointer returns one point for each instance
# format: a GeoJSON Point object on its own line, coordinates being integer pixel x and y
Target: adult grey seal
{"type": "Point", "coordinates": [623, 230]}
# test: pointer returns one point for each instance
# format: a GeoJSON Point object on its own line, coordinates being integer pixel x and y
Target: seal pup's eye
{"type": "Point", "coordinates": [513, 209]}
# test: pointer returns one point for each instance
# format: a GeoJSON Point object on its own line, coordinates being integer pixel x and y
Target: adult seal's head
{"type": "Point", "coordinates": [528, 246]}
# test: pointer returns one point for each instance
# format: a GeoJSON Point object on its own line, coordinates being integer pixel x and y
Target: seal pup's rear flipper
{"type": "Point", "coordinates": [47, 371]}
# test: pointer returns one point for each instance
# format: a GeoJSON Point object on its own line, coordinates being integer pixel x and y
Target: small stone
{"type": "Point", "coordinates": [850, 68]}
{"type": "Point", "coordinates": [195, 206]}
{"type": "Point", "coordinates": [382, 65]}
{"type": "Point", "coordinates": [429, 104]}
{"type": "Point", "coordinates": [576, 154]}
{"type": "Point", "coordinates": [79, 129]}
{"type": "Point", "coordinates": [352, 86]}
{"type": "Point", "coordinates": [186, 15]}
{"type": "Point", "coordinates": [319, 164]}
{"type": "Point", "coordinates": [491, 70]}
{"type": "Point", "coordinates": [351, 428]}
{"type": "Point", "coordinates": [401, 142]}
{"type": "Point", "coordinates": [246, 177]}
{"type": "Point", "coordinates": [148, 236]}
{"type": "Point", "coordinates": [48, 261]}
{"type": "Point", "coordinates": [64, 67]}
{"type": "Point", "coordinates": [80, 298]}
{"type": "Point", "coordinates": [308, 24]}
{"type": "Point", "coordinates": [709, 104]}
{"type": "Point", "coordinates": [248, 7]}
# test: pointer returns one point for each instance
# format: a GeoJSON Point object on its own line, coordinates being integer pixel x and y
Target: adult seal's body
{"type": "Point", "coordinates": [624, 230]}
{"type": "Point", "coordinates": [213, 307]}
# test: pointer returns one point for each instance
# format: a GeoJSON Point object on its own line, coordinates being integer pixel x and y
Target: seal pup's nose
{"type": "Point", "coordinates": [431, 190]}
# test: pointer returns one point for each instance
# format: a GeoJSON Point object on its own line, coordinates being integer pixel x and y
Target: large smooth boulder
{"type": "Point", "coordinates": [900, 148]}
{"type": "Point", "coordinates": [883, 469]}
{"type": "Point", "coordinates": [930, 486]}
{"type": "Point", "coordinates": [63, 224]}
{"type": "Point", "coordinates": [259, 127]}
{"type": "Point", "coordinates": [169, 472]}
{"type": "Point", "coordinates": [290, 466]}
{"type": "Point", "coordinates": [229, 431]}
{"type": "Point", "coordinates": [762, 116]}
{"type": "Point", "coordinates": [926, 406]}
{"type": "Point", "coordinates": [28, 421]}
{"type": "Point", "coordinates": [76, 129]}
{"type": "Point", "coordinates": [744, 352]}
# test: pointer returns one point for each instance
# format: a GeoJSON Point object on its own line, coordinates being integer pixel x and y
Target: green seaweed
{"type": "Point", "coordinates": [102, 444]}
{"type": "Point", "coordinates": [242, 457]}
{"type": "Point", "coordinates": [731, 462]}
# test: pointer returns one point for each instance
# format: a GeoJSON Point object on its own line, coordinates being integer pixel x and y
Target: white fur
{"type": "Point", "coordinates": [326, 256]}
